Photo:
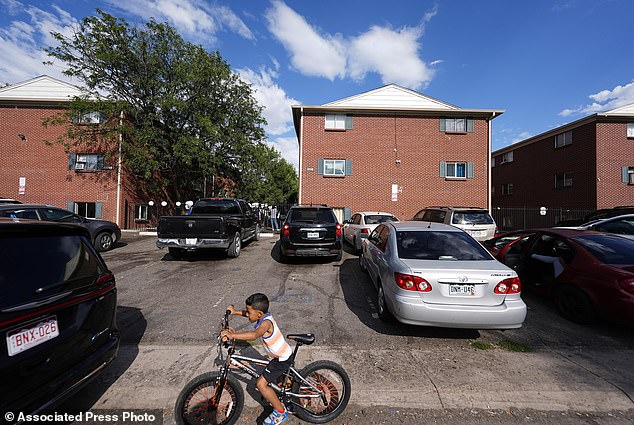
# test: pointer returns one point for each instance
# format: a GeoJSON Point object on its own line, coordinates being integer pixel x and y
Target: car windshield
{"type": "Point", "coordinates": [428, 245]}
{"type": "Point", "coordinates": [312, 215]}
{"type": "Point", "coordinates": [472, 217]}
{"type": "Point", "coordinates": [608, 249]}
{"type": "Point", "coordinates": [216, 206]}
{"type": "Point", "coordinates": [378, 219]}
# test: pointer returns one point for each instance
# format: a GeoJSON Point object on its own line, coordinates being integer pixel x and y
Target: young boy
{"type": "Point", "coordinates": [257, 311]}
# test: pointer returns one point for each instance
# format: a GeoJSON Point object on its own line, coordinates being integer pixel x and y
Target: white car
{"type": "Point", "coordinates": [438, 275]}
{"type": "Point", "coordinates": [362, 224]}
{"type": "Point", "coordinates": [622, 225]}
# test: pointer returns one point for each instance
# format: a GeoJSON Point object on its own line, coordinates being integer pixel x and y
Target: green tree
{"type": "Point", "coordinates": [184, 116]}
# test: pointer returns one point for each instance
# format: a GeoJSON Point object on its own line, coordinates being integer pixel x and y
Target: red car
{"type": "Point", "coordinates": [589, 274]}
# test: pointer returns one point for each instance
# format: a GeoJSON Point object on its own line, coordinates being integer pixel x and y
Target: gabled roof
{"type": "Point", "coordinates": [391, 96]}
{"type": "Point", "coordinates": [389, 100]}
{"type": "Point", "coordinates": [42, 88]}
{"type": "Point", "coordinates": [624, 113]}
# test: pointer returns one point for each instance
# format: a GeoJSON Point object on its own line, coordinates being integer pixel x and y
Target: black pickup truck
{"type": "Point", "coordinates": [214, 223]}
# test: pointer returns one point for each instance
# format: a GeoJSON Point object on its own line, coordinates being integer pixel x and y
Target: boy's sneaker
{"type": "Point", "coordinates": [276, 418]}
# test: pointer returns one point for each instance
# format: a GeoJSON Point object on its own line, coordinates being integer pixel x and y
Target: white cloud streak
{"type": "Point", "coordinates": [604, 100]}
{"type": "Point", "coordinates": [394, 54]}
{"type": "Point", "coordinates": [195, 18]}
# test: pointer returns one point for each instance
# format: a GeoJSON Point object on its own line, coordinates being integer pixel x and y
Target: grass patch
{"type": "Point", "coordinates": [481, 345]}
{"type": "Point", "coordinates": [517, 347]}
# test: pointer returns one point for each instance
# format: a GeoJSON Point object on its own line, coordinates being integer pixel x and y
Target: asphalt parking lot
{"type": "Point", "coordinates": [549, 371]}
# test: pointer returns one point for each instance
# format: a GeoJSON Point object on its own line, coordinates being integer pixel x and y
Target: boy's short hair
{"type": "Point", "coordinates": [258, 302]}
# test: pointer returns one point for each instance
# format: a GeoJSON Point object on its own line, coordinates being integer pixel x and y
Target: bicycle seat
{"type": "Point", "coordinates": [302, 338]}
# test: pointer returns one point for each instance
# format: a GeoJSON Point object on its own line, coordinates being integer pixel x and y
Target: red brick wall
{"type": "Point", "coordinates": [533, 170]}
{"type": "Point", "coordinates": [48, 179]}
{"type": "Point", "coordinates": [374, 144]}
{"type": "Point", "coordinates": [614, 150]}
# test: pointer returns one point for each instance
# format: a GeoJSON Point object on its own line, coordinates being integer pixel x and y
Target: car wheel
{"type": "Point", "coordinates": [362, 265]}
{"type": "Point", "coordinates": [574, 305]}
{"type": "Point", "coordinates": [384, 311]}
{"type": "Point", "coordinates": [234, 248]}
{"type": "Point", "coordinates": [104, 241]}
{"type": "Point", "coordinates": [338, 257]}
{"type": "Point", "coordinates": [257, 232]}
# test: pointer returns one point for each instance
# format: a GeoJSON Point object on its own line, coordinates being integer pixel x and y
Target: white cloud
{"type": "Point", "coordinates": [522, 136]}
{"type": "Point", "coordinates": [195, 18]}
{"type": "Point", "coordinates": [288, 147]}
{"type": "Point", "coordinates": [277, 105]}
{"type": "Point", "coordinates": [604, 100]}
{"type": "Point", "coordinates": [392, 53]}
{"type": "Point", "coordinates": [21, 54]}
{"type": "Point", "coordinates": [311, 52]}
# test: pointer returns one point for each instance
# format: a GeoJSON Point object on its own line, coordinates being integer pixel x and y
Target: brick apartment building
{"type": "Point", "coordinates": [395, 150]}
{"type": "Point", "coordinates": [587, 164]}
{"type": "Point", "coordinates": [86, 182]}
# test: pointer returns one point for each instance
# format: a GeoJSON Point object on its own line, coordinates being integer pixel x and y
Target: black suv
{"type": "Point", "coordinates": [311, 231]}
{"type": "Point", "coordinates": [57, 314]}
{"type": "Point", "coordinates": [103, 234]}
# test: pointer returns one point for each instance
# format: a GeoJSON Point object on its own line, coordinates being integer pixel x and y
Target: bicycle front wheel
{"type": "Point", "coordinates": [328, 380]}
{"type": "Point", "coordinates": [195, 406]}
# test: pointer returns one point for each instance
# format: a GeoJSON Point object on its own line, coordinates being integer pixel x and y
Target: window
{"type": "Point", "coordinates": [334, 167]}
{"type": "Point", "coordinates": [563, 139]}
{"type": "Point", "coordinates": [627, 175]}
{"type": "Point", "coordinates": [456, 125]}
{"type": "Point", "coordinates": [456, 170]}
{"type": "Point", "coordinates": [563, 180]}
{"type": "Point", "coordinates": [86, 162]}
{"type": "Point", "coordinates": [92, 117]}
{"type": "Point", "coordinates": [507, 157]}
{"type": "Point", "coordinates": [507, 188]}
{"type": "Point", "coordinates": [338, 122]}
{"type": "Point", "coordinates": [87, 209]}
{"type": "Point", "coordinates": [630, 129]}
{"type": "Point", "coordinates": [141, 212]}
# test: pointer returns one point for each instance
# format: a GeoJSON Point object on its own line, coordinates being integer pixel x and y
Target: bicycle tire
{"type": "Point", "coordinates": [334, 381]}
{"type": "Point", "coordinates": [190, 405]}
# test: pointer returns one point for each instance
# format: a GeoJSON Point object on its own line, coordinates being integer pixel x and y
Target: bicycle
{"type": "Point", "coordinates": [318, 393]}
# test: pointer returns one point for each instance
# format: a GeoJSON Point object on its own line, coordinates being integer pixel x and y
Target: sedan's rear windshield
{"type": "Point", "coordinates": [609, 249]}
{"type": "Point", "coordinates": [378, 219]}
{"type": "Point", "coordinates": [312, 215]}
{"type": "Point", "coordinates": [472, 217]}
{"type": "Point", "coordinates": [219, 206]}
{"type": "Point", "coordinates": [428, 245]}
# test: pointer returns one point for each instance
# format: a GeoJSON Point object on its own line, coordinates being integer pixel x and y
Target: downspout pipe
{"type": "Point", "coordinates": [301, 147]}
{"type": "Point", "coordinates": [118, 219]}
{"type": "Point", "coordinates": [489, 159]}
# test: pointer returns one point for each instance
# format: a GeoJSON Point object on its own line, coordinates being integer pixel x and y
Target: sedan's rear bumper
{"type": "Point", "coordinates": [508, 315]}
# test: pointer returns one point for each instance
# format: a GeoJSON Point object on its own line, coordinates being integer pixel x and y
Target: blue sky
{"type": "Point", "coordinates": [545, 63]}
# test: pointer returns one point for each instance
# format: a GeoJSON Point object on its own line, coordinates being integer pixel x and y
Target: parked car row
{"type": "Point", "coordinates": [103, 234]}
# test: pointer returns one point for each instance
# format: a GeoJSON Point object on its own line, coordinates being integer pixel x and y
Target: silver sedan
{"type": "Point", "coordinates": [433, 274]}
{"type": "Point", "coordinates": [361, 225]}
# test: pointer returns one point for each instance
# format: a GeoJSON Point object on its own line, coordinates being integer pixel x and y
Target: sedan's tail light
{"type": "Point", "coordinates": [286, 230]}
{"type": "Point", "coordinates": [365, 231]}
{"type": "Point", "coordinates": [509, 286]}
{"type": "Point", "coordinates": [627, 285]}
{"type": "Point", "coordinates": [338, 231]}
{"type": "Point", "coordinates": [411, 283]}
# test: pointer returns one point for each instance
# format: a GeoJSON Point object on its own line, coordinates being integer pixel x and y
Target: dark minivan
{"type": "Point", "coordinates": [57, 314]}
{"type": "Point", "coordinates": [311, 231]}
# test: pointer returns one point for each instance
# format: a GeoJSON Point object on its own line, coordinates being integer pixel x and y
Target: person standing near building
{"type": "Point", "coordinates": [275, 225]}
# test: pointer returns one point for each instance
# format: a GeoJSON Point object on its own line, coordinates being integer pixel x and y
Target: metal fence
{"type": "Point", "coordinates": [516, 218]}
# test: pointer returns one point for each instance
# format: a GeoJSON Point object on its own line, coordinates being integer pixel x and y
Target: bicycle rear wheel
{"type": "Point", "coordinates": [194, 403]}
{"type": "Point", "coordinates": [333, 381]}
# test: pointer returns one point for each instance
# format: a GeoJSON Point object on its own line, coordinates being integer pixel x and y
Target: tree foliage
{"type": "Point", "coordinates": [185, 118]}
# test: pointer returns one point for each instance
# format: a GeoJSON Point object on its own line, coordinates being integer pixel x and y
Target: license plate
{"type": "Point", "coordinates": [478, 233]}
{"type": "Point", "coordinates": [462, 290]}
{"type": "Point", "coordinates": [312, 235]}
{"type": "Point", "coordinates": [23, 339]}
{"type": "Point", "coordinates": [191, 241]}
